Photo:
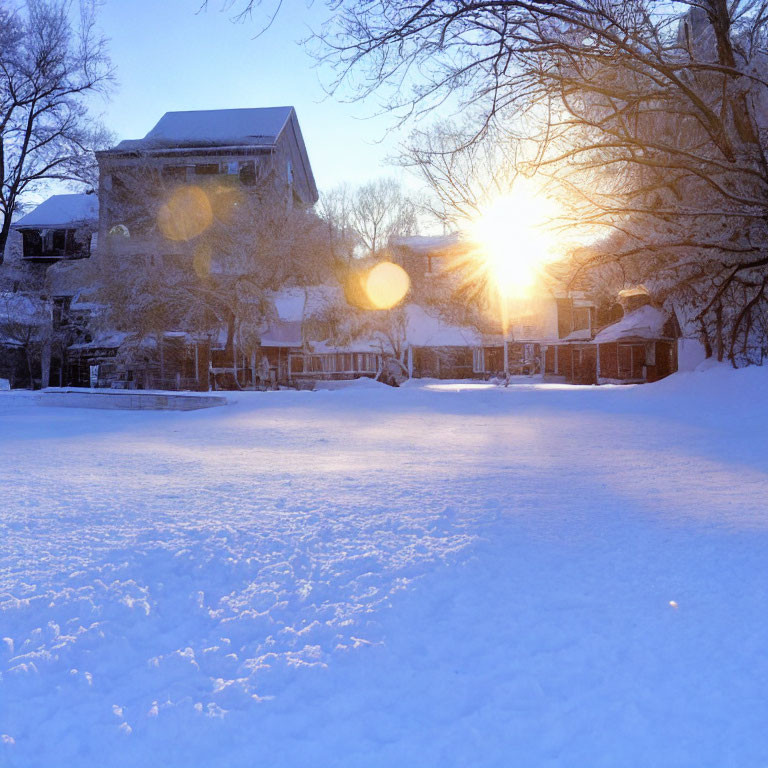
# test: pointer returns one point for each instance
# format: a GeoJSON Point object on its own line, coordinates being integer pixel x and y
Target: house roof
{"type": "Point", "coordinates": [424, 329]}
{"type": "Point", "coordinates": [285, 330]}
{"type": "Point", "coordinates": [258, 126]}
{"type": "Point", "coordinates": [363, 344]}
{"type": "Point", "coordinates": [22, 318]}
{"type": "Point", "coordinates": [61, 210]}
{"type": "Point", "coordinates": [106, 340]}
{"type": "Point", "coordinates": [643, 324]}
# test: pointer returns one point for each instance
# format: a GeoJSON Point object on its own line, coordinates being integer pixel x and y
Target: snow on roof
{"type": "Point", "coordinates": [582, 334]}
{"type": "Point", "coordinates": [285, 329]}
{"type": "Point", "coordinates": [322, 297]}
{"type": "Point", "coordinates": [283, 333]}
{"type": "Point", "coordinates": [427, 330]}
{"type": "Point", "coordinates": [363, 344]}
{"type": "Point", "coordinates": [292, 307]}
{"type": "Point", "coordinates": [289, 304]}
{"type": "Point", "coordinates": [645, 324]}
{"type": "Point", "coordinates": [23, 309]}
{"type": "Point", "coordinates": [61, 210]}
{"type": "Point", "coordinates": [108, 340]}
{"type": "Point", "coordinates": [214, 127]}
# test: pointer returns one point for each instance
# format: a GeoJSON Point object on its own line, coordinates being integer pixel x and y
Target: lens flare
{"type": "Point", "coordinates": [186, 215]}
{"type": "Point", "coordinates": [225, 202]}
{"type": "Point", "coordinates": [386, 285]}
{"type": "Point", "coordinates": [513, 239]}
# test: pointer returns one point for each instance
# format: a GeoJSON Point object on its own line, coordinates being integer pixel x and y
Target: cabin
{"type": "Point", "coordinates": [639, 344]}
{"type": "Point", "coordinates": [62, 227]}
{"type": "Point", "coordinates": [639, 348]}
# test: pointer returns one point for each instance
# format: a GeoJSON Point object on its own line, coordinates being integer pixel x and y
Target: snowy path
{"type": "Point", "coordinates": [375, 577]}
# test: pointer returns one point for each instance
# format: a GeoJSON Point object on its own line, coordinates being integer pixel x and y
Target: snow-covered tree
{"type": "Point", "coordinates": [366, 218]}
{"type": "Point", "coordinates": [48, 67]}
{"type": "Point", "coordinates": [201, 258]}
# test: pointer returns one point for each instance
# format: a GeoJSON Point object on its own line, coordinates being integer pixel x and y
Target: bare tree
{"type": "Point", "coordinates": [462, 174]}
{"type": "Point", "coordinates": [47, 69]}
{"type": "Point", "coordinates": [25, 323]}
{"type": "Point", "coordinates": [651, 119]}
{"type": "Point", "coordinates": [335, 209]}
{"type": "Point", "coordinates": [201, 258]}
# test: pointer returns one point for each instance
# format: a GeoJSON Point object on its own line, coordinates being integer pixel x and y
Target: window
{"type": "Point", "coordinates": [206, 169]}
{"type": "Point", "coordinates": [478, 360]}
{"type": "Point", "coordinates": [248, 173]}
{"type": "Point", "coordinates": [580, 318]}
{"type": "Point", "coordinates": [32, 243]}
{"type": "Point", "coordinates": [175, 172]}
{"type": "Point", "coordinates": [61, 306]}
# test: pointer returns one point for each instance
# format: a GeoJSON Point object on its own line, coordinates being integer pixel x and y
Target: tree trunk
{"type": "Point", "coordinates": [162, 360]}
{"type": "Point", "coordinates": [4, 232]}
{"type": "Point", "coordinates": [28, 355]}
{"type": "Point", "coordinates": [719, 330]}
{"type": "Point", "coordinates": [45, 365]}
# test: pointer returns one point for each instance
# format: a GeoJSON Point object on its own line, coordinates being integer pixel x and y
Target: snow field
{"type": "Point", "coordinates": [442, 575]}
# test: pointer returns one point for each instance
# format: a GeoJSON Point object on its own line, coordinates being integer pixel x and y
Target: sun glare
{"type": "Point", "coordinates": [513, 239]}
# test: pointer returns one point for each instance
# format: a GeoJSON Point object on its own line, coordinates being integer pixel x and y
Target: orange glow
{"type": "Point", "coordinates": [386, 285]}
{"type": "Point", "coordinates": [186, 215]}
{"type": "Point", "coordinates": [225, 201]}
{"type": "Point", "coordinates": [513, 238]}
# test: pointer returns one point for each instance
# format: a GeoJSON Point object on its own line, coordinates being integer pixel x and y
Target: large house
{"type": "Point", "coordinates": [197, 158]}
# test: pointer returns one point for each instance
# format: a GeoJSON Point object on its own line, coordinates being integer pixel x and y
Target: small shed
{"type": "Point", "coordinates": [641, 347]}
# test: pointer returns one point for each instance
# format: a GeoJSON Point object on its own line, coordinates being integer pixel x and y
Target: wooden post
{"type": "Point", "coordinates": [597, 364]}
{"type": "Point", "coordinates": [410, 362]}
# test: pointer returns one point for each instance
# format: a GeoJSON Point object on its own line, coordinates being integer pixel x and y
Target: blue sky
{"type": "Point", "coordinates": [170, 57]}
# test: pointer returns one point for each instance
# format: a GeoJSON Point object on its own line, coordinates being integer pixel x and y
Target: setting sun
{"type": "Point", "coordinates": [513, 238]}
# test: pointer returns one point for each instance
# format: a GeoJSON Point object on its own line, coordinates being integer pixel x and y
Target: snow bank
{"type": "Point", "coordinates": [362, 383]}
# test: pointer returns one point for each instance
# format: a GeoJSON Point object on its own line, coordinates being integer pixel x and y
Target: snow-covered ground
{"type": "Point", "coordinates": [440, 575]}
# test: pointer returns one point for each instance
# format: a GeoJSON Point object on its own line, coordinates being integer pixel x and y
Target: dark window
{"type": "Point", "coordinates": [61, 306]}
{"type": "Point", "coordinates": [33, 243]}
{"type": "Point", "coordinates": [174, 172]}
{"type": "Point", "coordinates": [248, 174]}
{"type": "Point", "coordinates": [207, 169]}
{"type": "Point", "coordinates": [59, 239]}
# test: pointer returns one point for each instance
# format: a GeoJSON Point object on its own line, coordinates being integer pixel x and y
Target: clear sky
{"type": "Point", "coordinates": [170, 57]}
